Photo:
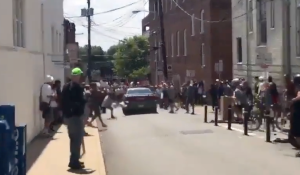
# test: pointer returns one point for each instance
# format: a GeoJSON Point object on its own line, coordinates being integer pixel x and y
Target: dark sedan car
{"type": "Point", "coordinates": [140, 100]}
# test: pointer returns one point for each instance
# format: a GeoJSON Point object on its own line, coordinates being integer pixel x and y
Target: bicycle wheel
{"type": "Point", "coordinates": [254, 122]}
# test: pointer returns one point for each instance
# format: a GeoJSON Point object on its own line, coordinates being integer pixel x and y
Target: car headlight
{"type": "Point", "coordinates": [126, 101]}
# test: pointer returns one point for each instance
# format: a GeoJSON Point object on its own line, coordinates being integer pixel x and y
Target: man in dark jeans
{"type": "Point", "coordinates": [190, 97]}
{"type": "Point", "coordinates": [73, 104]}
{"type": "Point", "coordinates": [165, 100]}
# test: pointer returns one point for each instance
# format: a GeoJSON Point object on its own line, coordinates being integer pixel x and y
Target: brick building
{"type": "Point", "coordinates": [195, 39]}
{"type": "Point", "coordinates": [70, 44]}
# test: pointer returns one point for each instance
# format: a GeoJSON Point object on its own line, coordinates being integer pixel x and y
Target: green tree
{"type": "Point", "coordinates": [140, 73]}
{"type": "Point", "coordinates": [111, 51]}
{"type": "Point", "coordinates": [97, 53]}
{"type": "Point", "coordinates": [130, 57]}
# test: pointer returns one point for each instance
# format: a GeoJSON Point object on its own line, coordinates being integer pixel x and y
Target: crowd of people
{"type": "Point", "coordinates": [265, 94]}
{"type": "Point", "coordinates": [79, 104]}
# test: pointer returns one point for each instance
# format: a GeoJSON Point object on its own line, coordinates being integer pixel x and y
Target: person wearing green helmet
{"type": "Point", "coordinates": [73, 104]}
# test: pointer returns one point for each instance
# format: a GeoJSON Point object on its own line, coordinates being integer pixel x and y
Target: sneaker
{"type": "Point", "coordinates": [76, 166]}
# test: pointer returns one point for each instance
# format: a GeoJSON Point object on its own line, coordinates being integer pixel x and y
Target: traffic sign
{"type": "Point", "coordinates": [263, 57]}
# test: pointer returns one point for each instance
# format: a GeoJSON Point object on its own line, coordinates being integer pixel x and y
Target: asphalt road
{"type": "Point", "coordinates": [181, 144]}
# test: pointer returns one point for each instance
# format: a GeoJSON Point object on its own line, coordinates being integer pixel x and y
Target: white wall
{"type": "Point", "coordinates": [54, 18]}
{"type": "Point", "coordinates": [21, 69]}
{"type": "Point", "coordinates": [274, 42]}
{"type": "Point", "coordinates": [295, 61]}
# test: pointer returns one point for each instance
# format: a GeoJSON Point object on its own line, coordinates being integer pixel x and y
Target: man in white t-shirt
{"type": "Point", "coordinates": [48, 95]}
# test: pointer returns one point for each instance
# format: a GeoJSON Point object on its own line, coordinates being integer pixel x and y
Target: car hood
{"type": "Point", "coordinates": [137, 95]}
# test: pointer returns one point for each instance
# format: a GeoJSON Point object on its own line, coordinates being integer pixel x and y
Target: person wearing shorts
{"type": "Point", "coordinates": [48, 98]}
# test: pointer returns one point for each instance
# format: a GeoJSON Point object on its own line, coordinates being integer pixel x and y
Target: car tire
{"type": "Point", "coordinates": [125, 112]}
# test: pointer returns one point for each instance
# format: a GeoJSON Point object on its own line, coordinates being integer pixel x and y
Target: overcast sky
{"type": "Point", "coordinates": [107, 28]}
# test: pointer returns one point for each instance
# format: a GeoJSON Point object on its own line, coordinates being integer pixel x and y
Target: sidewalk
{"type": "Point", "coordinates": [237, 127]}
{"type": "Point", "coordinates": [51, 156]}
{"type": "Point", "coordinates": [200, 110]}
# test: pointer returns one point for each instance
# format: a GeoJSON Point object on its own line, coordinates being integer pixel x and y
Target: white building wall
{"type": "Point", "coordinates": [54, 19]}
{"type": "Point", "coordinates": [295, 60]}
{"type": "Point", "coordinates": [274, 42]}
{"type": "Point", "coordinates": [22, 69]}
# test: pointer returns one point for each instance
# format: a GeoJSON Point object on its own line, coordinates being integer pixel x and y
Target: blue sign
{"type": "Point", "coordinates": [14, 143]}
{"type": "Point", "coordinates": [4, 156]}
{"type": "Point", "coordinates": [20, 151]}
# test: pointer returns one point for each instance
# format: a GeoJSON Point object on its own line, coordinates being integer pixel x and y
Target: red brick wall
{"type": "Point", "coordinates": [217, 38]}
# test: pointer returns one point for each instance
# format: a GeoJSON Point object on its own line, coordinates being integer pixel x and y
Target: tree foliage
{"type": "Point", "coordinates": [130, 57]}
{"type": "Point", "coordinates": [111, 51]}
{"type": "Point", "coordinates": [97, 53]}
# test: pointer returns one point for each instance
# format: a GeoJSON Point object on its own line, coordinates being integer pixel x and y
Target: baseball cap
{"type": "Point", "coordinates": [76, 71]}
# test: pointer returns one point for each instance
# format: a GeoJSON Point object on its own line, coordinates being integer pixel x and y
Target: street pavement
{"type": "Point", "coordinates": [178, 144]}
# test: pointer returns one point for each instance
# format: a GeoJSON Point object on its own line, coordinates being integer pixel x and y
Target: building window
{"type": "Point", "coordinates": [59, 43]}
{"type": "Point", "coordinates": [184, 43]}
{"type": "Point", "coordinates": [42, 28]}
{"type": "Point", "coordinates": [167, 47]}
{"type": "Point", "coordinates": [156, 50]}
{"type": "Point", "coordinates": [203, 54]}
{"type": "Point", "coordinates": [262, 22]}
{"type": "Point", "coordinates": [159, 53]}
{"type": "Point", "coordinates": [298, 30]}
{"type": "Point", "coordinates": [239, 49]}
{"type": "Point", "coordinates": [250, 16]}
{"type": "Point", "coordinates": [157, 8]}
{"type": "Point", "coordinates": [18, 23]}
{"type": "Point", "coordinates": [166, 6]}
{"type": "Point", "coordinates": [272, 14]}
{"type": "Point", "coordinates": [202, 21]}
{"type": "Point", "coordinates": [193, 25]}
{"type": "Point", "coordinates": [154, 10]}
{"type": "Point", "coordinates": [178, 43]}
{"type": "Point", "coordinates": [52, 40]}
{"type": "Point", "coordinates": [56, 42]}
{"type": "Point", "coordinates": [172, 45]}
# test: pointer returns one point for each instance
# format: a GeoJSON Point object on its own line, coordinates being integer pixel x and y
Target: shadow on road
{"type": "Point", "coordinates": [37, 146]}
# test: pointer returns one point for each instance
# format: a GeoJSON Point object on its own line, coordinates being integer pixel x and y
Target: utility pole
{"type": "Point", "coordinates": [89, 49]}
{"type": "Point", "coordinates": [162, 35]}
{"type": "Point", "coordinates": [89, 12]}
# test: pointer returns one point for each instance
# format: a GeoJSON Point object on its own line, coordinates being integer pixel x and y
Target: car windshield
{"type": "Point", "coordinates": [139, 91]}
